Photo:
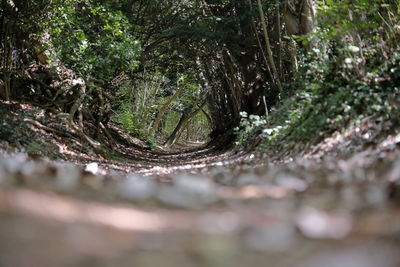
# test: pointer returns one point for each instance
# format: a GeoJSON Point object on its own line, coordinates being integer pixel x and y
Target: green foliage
{"type": "Point", "coordinates": [129, 117]}
{"type": "Point", "coordinates": [333, 104]}
{"type": "Point", "coordinates": [141, 52]}
{"type": "Point", "coordinates": [94, 40]}
{"type": "Point", "coordinates": [363, 16]}
{"type": "Point", "coordinates": [250, 126]}
{"type": "Point", "coordinates": [220, 28]}
{"type": "Point", "coordinates": [22, 13]}
{"type": "Point", "coordinates": [350, 73]}
{"type": "Point", "coordinates": [140, 101]}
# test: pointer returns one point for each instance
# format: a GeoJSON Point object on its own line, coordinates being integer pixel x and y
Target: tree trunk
{"type": "Point", "coordinates": [163, 110]}
{"type": "Point", "coordinates": [279, 35]}
{"type": "Point", "coordinates": [185, 118]}
{"type": "Point", "coordinates": [173, 136]}
{"type": "Point", "coordinates": [268, 46]}
{"type": "Point", "coordinates": [6, 64]}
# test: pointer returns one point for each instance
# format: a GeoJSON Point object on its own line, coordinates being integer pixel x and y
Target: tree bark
{"type": "Point", "coordinates": [185, 118]}
{"type": "Point", "coordinates": [279, 34]}
{"type": "Point", "coordinates": [163, 110]}
{"type": "Point", "coordinates": [173, 136]}
{"type": "Point", "coordinates": [6, 39]}
{"type": "Point", "coordinates": [268, 46]}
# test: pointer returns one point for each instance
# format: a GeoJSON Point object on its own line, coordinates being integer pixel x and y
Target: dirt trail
{"type": "Point", "coordinates": [336, 203]}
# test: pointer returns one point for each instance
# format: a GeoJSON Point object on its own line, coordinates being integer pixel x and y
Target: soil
{"type": "Point", "coordinates": [335, 202]}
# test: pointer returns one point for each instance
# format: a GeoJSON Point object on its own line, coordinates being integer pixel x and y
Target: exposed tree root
{"type": "Point", "coordinates": [46, 128]}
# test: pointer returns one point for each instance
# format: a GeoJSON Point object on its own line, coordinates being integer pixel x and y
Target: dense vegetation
{"type": "Point", "coordinates": [203, 69]}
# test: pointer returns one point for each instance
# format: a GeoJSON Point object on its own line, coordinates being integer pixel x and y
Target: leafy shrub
{"type": "Point", "coordinates": [349, 74]}
{"type": "Point", "coordinates": [94, 40]}
{"type": "Point", "coordinates": [126, 115]}
{"type": "Point", "coordinates": [250, 126]}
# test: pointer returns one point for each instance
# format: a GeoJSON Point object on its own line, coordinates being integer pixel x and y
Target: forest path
{"type": "Point", "coordinates": [332, 204]}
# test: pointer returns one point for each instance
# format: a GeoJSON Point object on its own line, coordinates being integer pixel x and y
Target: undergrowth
{"type": "Point", "coordinates": [334, 87]}
{"type": "Point", "coordinates": [322, 105]}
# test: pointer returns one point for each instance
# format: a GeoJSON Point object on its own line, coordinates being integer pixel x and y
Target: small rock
{"type": "Point", "coordinates": [188, 192]}
{"type": "Point", "coordinates": [220, 223]}
{"type": "Point", "coordinates": [30, 168]}
{"type": "Point", "coordinates": [67, 177]}
{"type": "Point", "coordinates": [317, 224]}
{"type": "Point", "coordinates": [275, 238]}
{"type": "Point", "coordinates": [394, 174]}
{"type": "Point", "coordinates": [248, 179]}
{"type": "Point", "coordinates": [2, 174]}
{"type": "Point", "coordinates": [13, 164]}
{"type": "Point", "coordinates": [94, 169]}
{"type": "Point", "coordinates": [393, 192]}
{"type": "Point", "coordinates": [375, 196]}
{"type": "Point", "coordinates": [291, 182]}
{"type": "Point", "coordinates": [136, 187]}
{"type": "Point", "coordinates": [222, 176]}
